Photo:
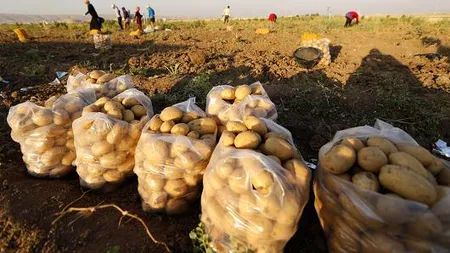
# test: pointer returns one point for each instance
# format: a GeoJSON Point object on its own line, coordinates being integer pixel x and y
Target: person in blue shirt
{"type": "Point", "coordinates": [151, 16]}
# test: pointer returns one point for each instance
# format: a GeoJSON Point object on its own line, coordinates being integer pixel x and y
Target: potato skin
{"type": "Point", "coordinates": [405, 160]}
{"type": "Point", "coordinates": [247, 140]}
{"type": "Point", "coordinates": [366, 180]}
{"type": "Point", "coordinates": [279, 148]}
{"type": "Point", "coordinates": [235, 127]}
{"type": "Point", "coordinates": [407, 183]}
{"type": "Point", "coordinates": [421, 154]}
{"type": "Point", "coordinates": [354, 143]}
{"type": "Point", "coordinates": [426, 226]}
{"type": "Point", "coordinates": [444, 177]}
{"type": "Point", "coordinates": [338, 160]}
{"type": "Point", "coordinates": [377, 242]}
{"type": "Point", "coordinates": [382, 143]}
{"type": "Point", "coordinates": [255, 124]}
{"type": "Point", "coordinates": [371, 159]}
{"type": "Point", "coordinates": [203, 126]}
{"type": "Point", "coordinates": [436, 166]}
{"type": "Point", "coordinates": [171, 113]}
{"type": "Point", "coordinates": [228, 94]}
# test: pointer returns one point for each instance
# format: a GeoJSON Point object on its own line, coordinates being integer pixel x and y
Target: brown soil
{"type": "Point", "coordinates": [373, 75]}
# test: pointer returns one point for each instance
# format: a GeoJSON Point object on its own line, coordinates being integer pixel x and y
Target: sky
{"type": "Point", "coordinates": [239, 8]}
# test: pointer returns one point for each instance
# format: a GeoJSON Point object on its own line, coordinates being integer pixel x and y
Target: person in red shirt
{"type": "Point", "coordinates": [350, 16]}
{"type": "Point", "coordinates": [272, 20]}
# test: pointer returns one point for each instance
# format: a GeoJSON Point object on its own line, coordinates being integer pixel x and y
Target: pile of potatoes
{"type": "Point", "coordinates": [255, 188]}
{"type": "Point", "coordinates": [105, 84]}
{"type": "Point", "coordinates": [233, 103]}
{"type": "Point", "coordinates": [45, 135]}
{"type": "Point", "coordinates": [374, 195]}
{"type": "Point", "coordinates": [323, 45]}
{"type": "Point", "coordinates": [172, 154]}
{"type": "Point", "coordinates": [106, 137]}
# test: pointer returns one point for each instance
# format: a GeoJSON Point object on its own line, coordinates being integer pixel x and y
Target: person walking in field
{"type": "Point", "coordinates": [226, 15]}
{"type": "Point", "coordinates": [151, 16]}
{"type": "Point", "coordinates": [118, 15]}
{"type": "Point", "coordinates": [272, 20]}
{"type": "Point", "coordinates": [126, 18]}
{"type": "Point", "coordinates": [138, 19]}
{"type": "Point", "coordinates": [349, 18]}
{"type": "Point", "coordinates": [96, 21]}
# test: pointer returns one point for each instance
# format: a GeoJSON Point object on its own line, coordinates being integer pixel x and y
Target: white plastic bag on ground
{"type": "Point", "coordinates": [368, 208]}
{"type": "Point", "coordinates": [170, 165]}
{"type": "Point", "coordinates": [102, 41]}
{"type": "Point", "coordinates": [105, 142]}
{"type": "Point", "coordinates": [233, 103]}
{"type": "Point", "coordinates": [251, 200]}
{"type": "Point", "coordinates": [45, 135]}
{"type": "Point", "coordinates": [105, 85]}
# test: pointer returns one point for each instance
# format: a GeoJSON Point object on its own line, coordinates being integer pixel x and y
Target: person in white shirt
{"type": "Point", "coordinates": [118, 15]}
{"type": "Point", "coordinates": [226, 15]}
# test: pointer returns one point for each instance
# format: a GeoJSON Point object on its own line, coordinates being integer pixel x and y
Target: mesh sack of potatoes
{"type": "Point", "coordinates": [255, 188]}
{"type": "Point", "coordinates": [171, 156]}
{"type": "Point", "coordinates": [45, 135]}
{"type": "Point", "coordinates": [377, 190]}
{"type": "Point", "coordinates": [106, 137]}
{"type": "Point", "coordinates": [233, 103]}
{"type": "Point", "coordinates": [321, 44]}
{"type": "Point", "coordinates": [105, 84]}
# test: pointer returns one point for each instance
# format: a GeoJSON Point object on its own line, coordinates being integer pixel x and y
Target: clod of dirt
{"type": "Point", "coordinates": [443, 80]}
{"type": "Point", "coordinates": [197, 57]}
{"type": "Point", "coordinates": [14, 94]}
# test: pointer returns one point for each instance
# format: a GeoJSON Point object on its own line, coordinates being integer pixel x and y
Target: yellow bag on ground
{"type": "Point", "coordinates": [262, 31]}
{"type": "Point", "coordinates": [136, 33]}
{"type": "Point", "coordinates": [94, 32]}
{"type": "Point", "coordinates": [21, 34]}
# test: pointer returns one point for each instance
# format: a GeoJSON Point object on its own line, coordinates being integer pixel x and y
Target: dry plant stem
{"type": "Point", "coordinates": [123, 212]}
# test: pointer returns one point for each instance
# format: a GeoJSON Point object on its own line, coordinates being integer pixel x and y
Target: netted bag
{"type": "Point", "coordinates": [233, 103]}
{"type": "Point", "coordinates": [102, 41]}
{"type": "Point", "coordinates": [105, 84]}
{"type": "Point", "coordinates": [106, 137]}
{"type": "Point", "coordinates": [377, 190]}
{"type": "Point", "coordinates": [321, 44]}
{"type": "Point", "coordinates": [171, 156]}
{"type": "Point", "coordinates": [255, 188]}
{"type": "Point", "coordinates": [45, 135]}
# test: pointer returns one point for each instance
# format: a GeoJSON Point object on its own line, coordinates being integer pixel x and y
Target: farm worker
{"type": "Point", "coordinates": [126, 17]}
{"type": "Point", "coordinates": [272, 20]}
{"type": "Point", "coordinates": [349, 18]}
{"type": "Point", "coordinates": [95, 19]}
{"type": "Point", "coordinates": [119, 17]}
{"type": "Point", "coordinates": [151, 16]}
{"type": "Point", "coordinates": [138, 19]}
{"type": "Point", "coordinates": [226, 15]}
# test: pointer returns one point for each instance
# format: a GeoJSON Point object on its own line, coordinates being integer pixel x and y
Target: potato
{"type": "Point", "coordinates": [289, 211]}
{"type": "Point", "coordinates": [359, 213]}
{"type": "Point", "coordinates": [91, 80]}
{"type": "Point", "coordinates": [166, 127]}
{"type": "Point", "coordinates": [128, 116]}
{"type": "Point", "coordinates": [155, 123]}
{"type": "Point", "coordinates": [263, 181]}
{"type": "Point", "coordinates": [421, 154]}
{"type": "Point", "coordinates": [378, 242]}
{"type": "Point", "coordinates": [354, 143]}
{"type": "Point", "coordinates": [102, 148]}
{"type": "Point", "coordinates": [393, 209]}
{"type": "Point", "coordinates": [436, 166]}
{"type": "Point", "coordinates": [96, 74]}
{"type": "Point", "coordinates": [113, 159]}
{"type": "Point", "coordinates": [42, 117]}
{"type": "Point", "coordinates": [157, 200]}
{"type": "Point", "coordinates": [50, 101]}
{"type": "Point", "coordinates": [366, 180]}
{"type": "Point", "coordinates": [68, 158]}
{"type": "Point", "coordinates": [176, 188]}
{"type": "Point", "coordinates": [261, 227]}
{"type": "Point", "coordinates": [156, 151]}
{"type": "Point", "coordinates": [139, 111]}
{"type": "Point", "coordinates": [101, 102]}
{"type": "Point", "coordinates": [372, 159]}
{"type": "Point", "coordinates": [189, 116]}
{"type": "Point", "coordinates": [344, 235]}
{"type": "Point", "coordinates": [171, 113]}
{"type": "Point", "coordinates": [115, 113]}
{"type": "Point", "coordinates": [113, 176]}
{"type": "Point", "coordinates": [186, 160]}
{"type": "Point", "coordinates": [237, 181]}
{"type": "Point", "coordinates": [235, 127]}
{"type": "Point", "coordinates": [118, 131]}
{"type": "Point", "coordinates": [242, 91]}
{"type": "Point", "coordinates": [405, 160]}
{"type": "Point", "coordinates": [276, 135]}
{"type": "Point", "coordinates": [425, 226]}
{"type": "Point", "coordinates": [105, 78]}
{"type": "Point", "coordinates": [247, 140]}
{"type": "Point", "coordinates": [257, 89]}
{"type": "Point", "coordinates": [247, 205]}
{"type": "Point", "coordinates": [269, 206]}
{"type": "Point", "coordinates": [70, 144]}
{"type": "Point", "coordinates": [228, 94]}
{"type": "Point", "coordinates": [176, 206]}
{"type": "Point", "coordinates": [255, 124]}
{"type": "Point", "coordinates": [338, 160]}
{"type": "Point", "coordinates": [113, 105]}
{"type": "Point", "coordinates": [53, 156]}
{"type": "Point", "coordinates": [154, 182]}
{"type": "Point", "coordinates": [180, 129]}
{"type": "Point", "coordinates": [203, 126]}
{"type": "Point", "coordinates": [129, 102]}
{"type": "Point", "coordinates": [135, 129]}
{"type": "Point", "coordinates": [266, 104]}
{"type": "Point", "coordinates": [300, 169]}
{"type": "Point", "coordinates": [444, 177]}
{"type": "Point", "coordinates": [75, 116]}
{"type": "Point", "coordinates": [407, 183]}
{"type": "Point", "coordinates": [90, 108]}
{"type": "Point", "coordinates": [419, 246]}
{"type": "Point", "coordinates": [279, 148]}
{"type": "Point", "coordinates": [127, 166]}
{"type": "Point", "coordinates": [382, 143]}
{"type": "Point", "coordinates": [225, 169]}
{"type": "Point", "coordinates": [193, 134]}
{"type": "Point", "coordinates": [193, 179]}
{"type": "Point", "coordinates": [276, 159]}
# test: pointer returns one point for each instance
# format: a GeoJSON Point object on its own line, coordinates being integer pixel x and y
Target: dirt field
{"type": "Point", "coordinates": [395, 69]}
